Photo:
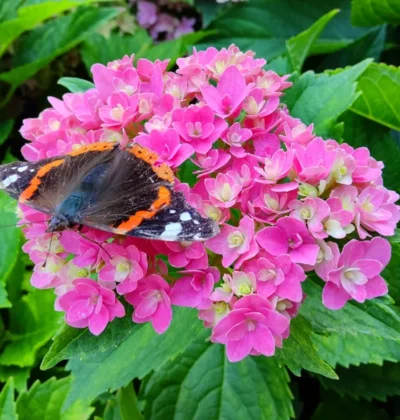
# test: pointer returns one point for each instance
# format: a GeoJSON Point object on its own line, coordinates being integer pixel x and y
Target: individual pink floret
{"type": "Point", "coordinates": [90, 305]}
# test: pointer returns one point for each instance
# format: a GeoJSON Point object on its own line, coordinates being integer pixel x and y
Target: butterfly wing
{"type": "Point", "coordinates": [43, 185]}
{"type": "Point", "coordinates": [137, 199]}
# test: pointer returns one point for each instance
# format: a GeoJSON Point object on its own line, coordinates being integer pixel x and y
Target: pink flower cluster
{"type": "Point", "coordinates": [281, 195]}
{"type": "Point", "coordinates": [160, 22]}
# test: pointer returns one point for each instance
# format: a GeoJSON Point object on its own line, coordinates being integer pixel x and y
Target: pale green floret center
{"type": "Point", "coordinates": [235, 239]}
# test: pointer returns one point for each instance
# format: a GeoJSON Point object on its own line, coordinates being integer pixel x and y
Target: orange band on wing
{"type": "Point", "coordinates": [37, 179]}
{"type": "Point", "coordinates": [94, 147]}
{"type": "Point", "coordinates": [163, 171]}
{"type": "Point", "coordinates": [163, 200]}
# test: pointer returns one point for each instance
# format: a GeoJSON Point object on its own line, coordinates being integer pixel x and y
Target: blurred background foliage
{"type": "Point", "coordinates": [344, 58]}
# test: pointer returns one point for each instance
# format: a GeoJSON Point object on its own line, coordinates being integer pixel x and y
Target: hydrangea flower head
{"type": "Point", "coordinates": [282, 198]}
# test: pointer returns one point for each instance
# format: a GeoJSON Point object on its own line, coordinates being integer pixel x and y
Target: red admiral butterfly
{"type": "Point", "coordinates": [107, 188]}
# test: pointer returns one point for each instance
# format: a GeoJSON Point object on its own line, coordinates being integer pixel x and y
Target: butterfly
{"type": "Point", "coordinates": [105, 187]}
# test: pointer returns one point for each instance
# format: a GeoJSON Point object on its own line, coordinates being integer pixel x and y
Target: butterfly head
{"type": "Point", "coordinates": [58, 222]}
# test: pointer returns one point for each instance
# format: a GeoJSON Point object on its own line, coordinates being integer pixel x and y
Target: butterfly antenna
{"type": "Point", "coordinates": [48, 251]}
{"type": "Point", "coordinates": [18, 225]}
{"type": "Point", "coordinates": [95, 242]}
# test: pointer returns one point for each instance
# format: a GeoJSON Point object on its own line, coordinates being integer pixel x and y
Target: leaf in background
{"type": "Point", "coordinates": [322, 98]}
{"type": "Point", "coordinates": [264, 26]}
{"type": "Point", "coordinates": [7, 10]}
{"type": "Point", "coordinates": [334, 408]}
{"type": "Point", "coordinates": [392, 273]}
{"type": "Point", "coordinates": [33, 322]}
{"type": "Point", "coordinates": [7, 403]}
{"type": "Point", "coordinates": [380, 88]}
{"type": "Point", "coordinates": [346, 350]}
{"type": "Point", "coordinates": [299, 46]}
{"type": "Point", "coordinates": [367, 381]}
{"type": "Point", "coordinates": [45, 401]}
{"type": "Point", "coordinates": [38, 48]}
{"type": "Point", "coordinates": [123, 352]}
{"type": "Point", "coordinates": [280, 65]}
{"type": "Point", "coordinates": [5, 130]}
{"type": "Point", "coordinates": [208, 9]}
{"type": "Point", "coordinates": [299, 352]}
{"type": "Point", "coordinates": [30, 16]}
{"type": "Point", "coordinates": [20, 376]}
{"type": "Point", "coordinates": [373, 318]}
{"type": "Point", "coordinates": [75, 85]}
{"type": "Point", "coordinates": [98, 49]}
{"type": "Point", "coordinates": [4, 302]}
{"type": "Point", "coordinates": [203, 385]}
{"type": "Point", "coordinates": [375, 12]}
{"type": "Point", "coordinates": [10, 236]}
{"type": "Point", "coordinates": [371, 45]}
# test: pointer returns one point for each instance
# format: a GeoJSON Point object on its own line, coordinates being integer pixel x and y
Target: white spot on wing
{"type": "Point", "coordinates": [9, 180]}
{"type": "Point", "coordinates": [172, 211]}
{"type": "Point", "coordinates": [22, 168]}
{"type": "Point", "coordinates": [172, 230]}
{"type": "Point", "coordinates": [185, 216]}
{"type": "Point", "coordinates": [31, 170]}
{"type": "Point", "coordinates": [196, 222]}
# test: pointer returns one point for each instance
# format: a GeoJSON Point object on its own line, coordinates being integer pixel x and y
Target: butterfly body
{"type": "Point", "coordinates": [105, 187]}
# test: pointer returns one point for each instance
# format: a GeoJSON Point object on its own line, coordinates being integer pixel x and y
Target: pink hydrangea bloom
{"type": "Point", "coordinates": [90, 305]}
{"type": "Point", "coordinates": [198, 126]}
{"type": "Point", "coordinates": [223, 190]}
{"type": "Point", "coordinates": [194, 288]}
{"type": "Point", "coordinates": [252, 327]}
{"type": "Point", "coordinates": [151, 302]}
{"type": "Point", "coordinates": [124, 267]}
{"type": "Point", "coordinates": [289, 236]}
{"type": "Point", "coordinates": [286, 201]}
{"type": "Point", "coordinates": [235, 243]}
{"type": "Point", "coordinates": [357, 275]}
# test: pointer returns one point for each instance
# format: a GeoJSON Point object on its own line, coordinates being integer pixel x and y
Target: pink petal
{"type": "Point", "coordinates": [273, 240]}
{"type": "Point", "coordinates": [370, 268]}
{"type": "Point", "coordinates": [79, 310]}
{"type": "Point", "coordinates": [98, 322]}
{"type": "Point", "coordinates": [162, 318]}
{"type": "Point", "coordinates": [334, 297]}
{"type": "Point", "coordinates": [238, 350]}
{"type": "Point", "coordinates": [263, 340]}
{"type": "Point", "coordinates": [375, 287]}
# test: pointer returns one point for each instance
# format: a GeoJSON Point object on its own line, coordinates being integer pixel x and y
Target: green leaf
{"type": "Point", "coordinates": [127, 403]}
{"type": "Point", "coordinates": [33, 322]}
{"type": "Point", "coordinates": [280, 65]}
{"type": "Point", "coordinates": [373, 318]}
{"type": "Point", "coordinates": [367, 381]}
{"type": "Point", "coordinates": [322, 98]}
{"type": "Point", "coordinates": [45, 401]}
{"type": "Point", "coordinates": [202, 384]}
{"type": "Point", "coordinates": [5, 130]}
{"type": "Point", "coordinates": [392, 273]}
{"type": "Point", "coordinates": [209, 11]}
{"type": "Point", "coordinates": [371, 45]}
{"type": "Point", "coordinates": [20, 375]}
{"type": "Point", "coordinates": [75, 85]}
{"type": "Point", "coordinates": [264, 26]}
{"type": "Point", "coordinates": [346, 350]}
{"type": "Point", "coordinates": [380, 88]}
{"type": "Point", "coordinates": [30, 16]}
{"type": "Point", "coordinates": [300, 45]}
{"type": "Point", "coordinates": [4, 302]}
{"type": "Point", "coordinates": [375, 12]}
{"type": "Point", "coordinates": [10, 237]}
{"type": "Point", "coordinates": [98, 49]}
{"type": "Point", "coordinates": [7, 404]}
{"type": "Point", "coordinates": [299, 352]}
{"type": "Point", "coordinates": [333, 408]}
{"type": "Point", "coordinates": [123, 352]}
{"type": "Point", "coordinates": [42, 45]}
